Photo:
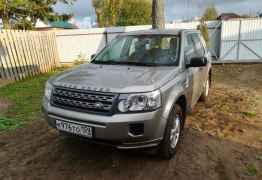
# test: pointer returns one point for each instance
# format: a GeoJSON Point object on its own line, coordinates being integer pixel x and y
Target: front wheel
{"type": "Point", "coordinates": [173, 133]}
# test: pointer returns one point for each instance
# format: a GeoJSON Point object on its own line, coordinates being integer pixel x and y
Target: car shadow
{"type": "Point", "coordinates": [200, 156]}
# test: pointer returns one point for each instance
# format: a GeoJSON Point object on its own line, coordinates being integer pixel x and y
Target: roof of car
{"type": "Point", "coordinates": [157, 32]}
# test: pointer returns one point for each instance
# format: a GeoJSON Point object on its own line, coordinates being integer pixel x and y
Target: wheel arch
{"type": "Point", "coordinates": [180, 99]}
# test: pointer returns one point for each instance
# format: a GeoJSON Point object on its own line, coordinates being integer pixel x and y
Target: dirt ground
{"type": "Point", "coordinates": [222, 141]}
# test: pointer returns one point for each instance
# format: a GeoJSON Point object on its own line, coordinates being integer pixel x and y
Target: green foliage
{"type": "Point", "coordinates": [250, 114]}
{"type": "Point", "coordinates": [107, 11]}
{"type": "Point", "coordinates": [252, 170]}
{"type": "Point", "coordinates": [204, 31]}
{"type": "Point", "coordinates": [210, 14]}
{"type": "Point", "coordinates": [135, 12]}
{"type": "Point", "coordinates": [23, 24]}
{"type": "Point", "coordinates": [24, 13]}
{"type": "Point", "coordinates": [122, 12]}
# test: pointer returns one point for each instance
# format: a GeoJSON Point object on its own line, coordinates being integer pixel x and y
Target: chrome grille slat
{"type": "Point", "coordinates": [83, 100]}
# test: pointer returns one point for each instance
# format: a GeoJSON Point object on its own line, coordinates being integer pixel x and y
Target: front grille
{"type": "Point", "coordinates": [84, 101]}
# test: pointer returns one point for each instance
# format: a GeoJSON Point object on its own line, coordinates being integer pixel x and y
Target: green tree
{"type": "Point", "coordinates": [210, 13]}
{"type": "Point", "coordinates": [24, 13]}
{"type": "Point", "coordinates": [204, 31]}
{"type": "Point", "coordinates": [122, 12]}
{"type": "Point", "coordinates": [112, 8]}
{"type": "Point", "coordinates": [135, 12]}
{"type": "Point", "coordinates": [107, 11]}
{"type": "Point", "coordinates": [98, 5]}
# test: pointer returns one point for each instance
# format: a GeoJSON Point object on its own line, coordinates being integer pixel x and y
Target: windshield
{"type": "Point", "coordinates": [141, 50]}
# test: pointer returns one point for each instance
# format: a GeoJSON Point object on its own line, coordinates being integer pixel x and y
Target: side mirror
{"type": "Point", "coordinates": [197, 62]}
{"type": "Point", "coordinates": [92, 56]}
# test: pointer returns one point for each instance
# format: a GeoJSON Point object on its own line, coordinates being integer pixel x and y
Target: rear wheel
{"type": "Point", "coordinates": [173, 133]}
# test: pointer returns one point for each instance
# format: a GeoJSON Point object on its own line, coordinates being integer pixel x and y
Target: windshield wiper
{"type": "Point", "coordinates": [105, 62]}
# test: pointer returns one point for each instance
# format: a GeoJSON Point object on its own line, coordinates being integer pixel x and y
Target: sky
{"type": "Point", "coordinates": [175, 9]}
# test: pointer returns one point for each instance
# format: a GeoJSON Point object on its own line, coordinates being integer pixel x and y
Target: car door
{"type": "Point", "coordinates": [201, 52]}
{"type": "Point", "coordinates": [194, 73]}
{"type": "Point", "coordinates": [207, 54]}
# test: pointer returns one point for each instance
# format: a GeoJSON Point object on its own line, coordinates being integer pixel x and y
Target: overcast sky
{"type": "Point", "coordinates": [175, 9]}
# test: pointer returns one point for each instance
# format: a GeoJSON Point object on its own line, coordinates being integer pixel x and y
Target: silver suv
{"type": "Point", "coordinates": [135, 93]}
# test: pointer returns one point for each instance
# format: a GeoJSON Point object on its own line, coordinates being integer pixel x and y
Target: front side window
{"type": "Point", "coordinates": [141, 50]}
{"type": "Point", "coordinates": [198, 45]}
{"type": "Point", "coordinates": [189, 47]}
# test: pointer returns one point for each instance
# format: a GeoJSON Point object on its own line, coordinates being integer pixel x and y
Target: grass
{"type": "Point", "coordinates": [249, 114]}
{"type": "Point", "coordinates": [252, 170]}
{"type": "Point", "coordinates": [9, 124]}
{"type": "Point", "coordinates": [26, 97]}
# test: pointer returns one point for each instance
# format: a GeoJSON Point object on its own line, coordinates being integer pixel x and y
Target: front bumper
{"type": "Point", "coordinates": [113, 130]}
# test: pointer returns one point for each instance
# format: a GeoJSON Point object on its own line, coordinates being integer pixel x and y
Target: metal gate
{"type": "Point", "coordinates": [241, 40]}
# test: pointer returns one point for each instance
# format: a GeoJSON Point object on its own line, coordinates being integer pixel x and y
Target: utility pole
{"type": "Point", "coordinates": [158, 14]}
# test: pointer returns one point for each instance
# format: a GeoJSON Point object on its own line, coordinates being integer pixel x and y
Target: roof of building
{"type": "Point", "coordinates": [62, 24]}
{"type": "Point", "coordinates": [225, 16]}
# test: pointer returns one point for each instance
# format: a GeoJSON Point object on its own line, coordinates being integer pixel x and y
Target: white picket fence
{"type": "Point", "coordinates": [27, 53]}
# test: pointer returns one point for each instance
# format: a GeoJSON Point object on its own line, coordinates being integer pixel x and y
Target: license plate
{"type": "Point", "coordinates": [77, 129]}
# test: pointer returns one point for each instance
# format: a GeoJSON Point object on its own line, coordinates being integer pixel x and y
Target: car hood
{"type": "Point", "coordinates": [116, 78]}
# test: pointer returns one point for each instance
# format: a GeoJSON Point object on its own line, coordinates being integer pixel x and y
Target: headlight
{"type": "Point", "coordinates": [48, 90]}
{"type": "Point", "coordinates": [139, 102]}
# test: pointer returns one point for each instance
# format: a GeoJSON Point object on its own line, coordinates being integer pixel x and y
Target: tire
{"type": "Point", "coordinates": [174, 128]}
{"type": "Point", "coordinates": [205, 93]}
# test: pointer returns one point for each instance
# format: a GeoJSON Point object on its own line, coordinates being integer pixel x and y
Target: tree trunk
{"type": "Point", "coordinates": [158, 14]}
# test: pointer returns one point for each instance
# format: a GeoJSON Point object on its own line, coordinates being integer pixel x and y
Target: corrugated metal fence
{"type": "Point", "coordinates": [241, 40]}
{"type": "Point", "coordinates": [26, 53]}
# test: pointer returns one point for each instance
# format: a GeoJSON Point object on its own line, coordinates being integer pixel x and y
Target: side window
{"type": "Point", "coordinates": [132, 46]}
{"type": "Point", "coordinates": [114, 52]}
{"type": "Point", "coordinates": [198, 45]}
{"type": "Point", "coordinates": [189, 49]}
{"type": "Point", "coordinates": [189, 44]}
